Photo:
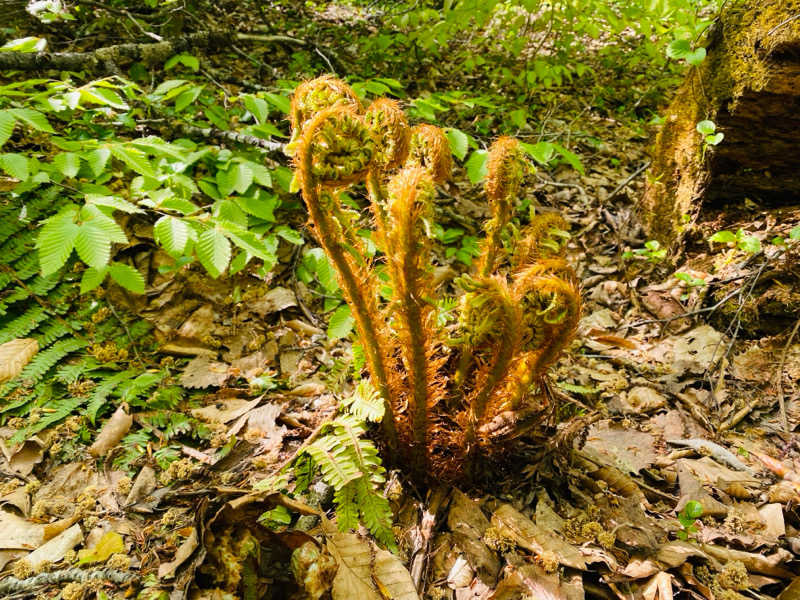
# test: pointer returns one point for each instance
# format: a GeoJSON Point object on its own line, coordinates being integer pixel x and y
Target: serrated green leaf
{"type": "Point", "coordinates": [172, 233]}
{"type": "Point", "coordinates": [187, 97]}
{"type": "Point", "coordinates": [213, 251]}
{"type": "Point", "coordinates": [263, 207]}
{"type": "Point", "coordinates": [93, 245]}
{"type": "Point", "coordinates": [7, 122]}
{"type": "Point", "coordinates": [133, 158]}
{"type": "Point", "coordinates": [113, 202]}
{"type": "Point", "coordinates": [280, 102]}
{"type": "Point", "coordinates": [57, 239]}
{"type": "Point", "coordinates": [459, 142]}
{"type": "Point", "coordinates": [92, 278]}
{"type": "Point", "coordinates": [98, 159]}
{"type": "Point", "coordinates": [243, 177]}
{"type": "Point", "coordinates": [341, 323]}
{"type": "Point", "coordinates": [95, 216]}
{"type": "Point", "coordinates": [679, 49]}
{"type": "Point", "coordinates": [723, 237]}
{"type": "Point", "coordinates": [15, 165]}
{"type": "Point", "coordinates": [127, 277]}
{"type": "Point", "coordinates": [290, 235]}
{"type": "Point", "coordinates": [68, 163]}
{"type": "Point", "coordinates": [257, 107]}
{"type": "Point", "coordinates": [32, 118]}
{"type": "Point", "coordinates": [541, 152]}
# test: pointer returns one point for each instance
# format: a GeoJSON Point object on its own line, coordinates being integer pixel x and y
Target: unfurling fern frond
{"type": "Point", "coordinates": [444, 386]}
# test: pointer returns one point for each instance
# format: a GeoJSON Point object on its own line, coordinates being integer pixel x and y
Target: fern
{"type": "Point", "coordinates": [23, 324]}
{"type": "Point", "coordinates": [45, 360]}
{"type": "Point", "coordinates": [71, 372]}
{"type": "Point", "coordinates": [59, 410]}
{"type": "Point", "coordinates": [103, 390]}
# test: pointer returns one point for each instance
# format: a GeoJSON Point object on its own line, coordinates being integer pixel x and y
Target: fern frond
{"type": "Point", "coordinates": [53, 331]}
{"type": "Point", "coordinates": [345, 502]}
{"type": "Point", "coordinates": [365, 403]}
{"type": "Point", "coordinates": [45, 360]}
{"type": "Point", "coordinates": [376, 513]}
{"type": "Point", "coordinates": [70, 372]}
{"type": "Point", "coordinates": [22, 325]}
{"type": "Point", "coordinates": [103, 390]}
{"type": "Point", "coordinates": [58, 410]}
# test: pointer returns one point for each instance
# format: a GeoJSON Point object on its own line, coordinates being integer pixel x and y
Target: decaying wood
{"type": "Point", "coordinates": [749, 86]}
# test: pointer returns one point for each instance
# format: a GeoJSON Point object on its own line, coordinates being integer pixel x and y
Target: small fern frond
{"type": "Point", "coordinates": [103, 390]}
{"type": "Point", "coordinates": [58, 410]}
{"type": "Point", "coordinates": [43, 362]}
{"type": "Point", "coordinates": [365, 403]}
{"type": "Point", "coordinates": [376, 513]}
{"type": "Point", "coordinates": [22, 325]}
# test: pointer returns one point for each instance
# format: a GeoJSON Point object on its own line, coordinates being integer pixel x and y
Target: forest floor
{"type": "Point", "coordinates": [674, 469]}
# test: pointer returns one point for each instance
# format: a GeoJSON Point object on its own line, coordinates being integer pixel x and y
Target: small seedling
{"type": "Point", "coordinates": [687, 518]}
{"type": "Point", "coordinates": [652, 251]}
{"type": "Point", "coordinates": [711, 137]}
{"type": "Point", "coordinates": [740, 239]}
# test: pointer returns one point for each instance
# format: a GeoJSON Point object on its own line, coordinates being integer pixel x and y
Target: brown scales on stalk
{"type": "Point", "coordinates": [452, 393]}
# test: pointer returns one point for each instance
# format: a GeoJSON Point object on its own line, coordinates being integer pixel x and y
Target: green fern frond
{"type": "Point", "coordinates": [59, 409]}
{"type": "Point", "coordinates": [103, 390]}
{"type": "Point", "coordinates": [71, 372]}
{"type": "Point", "coordinates": [344, 500]}
{"type": "Point", "coordinates": [42, 363]}
{"type": "Point", "coordinates": [376, 513]}
{"type": "Point", "coordinates": [52, 331]}
{"type": "Point", "coordinates": [22, 325]}
{"type": "Point", "coordinates": [365, 403]}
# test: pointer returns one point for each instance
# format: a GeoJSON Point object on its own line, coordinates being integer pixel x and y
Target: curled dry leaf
{"type": "Point", "coordinates": [112, 432]}
{"type": "Point", "coordinates": [14, 355]}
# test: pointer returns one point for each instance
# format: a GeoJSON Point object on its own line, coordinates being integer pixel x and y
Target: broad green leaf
{"type": "Point", "coordinates": [723, 237]}
{"type": "Point", "coordinates": [262, 207]}
{"type": "Point", "coordinates": [103, 97]}
{"type": "Point", "coordinates": [33, 118]}
{"type": "Point", "coordinates": [260, 174]}
{"type": "Point", "coordinates": [706, 127]}
{"type": "Point", "coordinates": [247, 240]}
{"type": "Point", "coordinates": [476, 165]}
{"type": "Point", "coordinates": [172, 233]}
{"type": "Point", "coordinates": [134, 158]}
{"type": "Point", "coordinates": [713, 140]}
{"type": "Point", "coordinates": [113, 202]}
{"type": "Point", "coordinates": [794, 234]}
{"type": "Point", "coordinates": [228, 210]}
{"type": "Point", "coordinates": [280, 102]}
{"type": "Point", "coordinates": [94, 215]}
{"type": "Point", "coordinates": [571, 158]}
{"type": "Point", "coordinates": [541, 152]}
{"type": "Point", "coordinates": [67, 163]}
{"type": "Point", "coordinates": [168, 85]}
{"type": "Point", "coordinates": [341, 323]}
{"type": "Point", "coordinates": [697, 57]}
{"type": "Point", "coordinates": [127, 277]}
{"type": "Point", "coordinates": [693, 509]}
{"type": "Point", "coordinates": [7, 122]}
{"type": "Point", "coordinates": [750, 244]}
{"type": "Point", "coordinates": [243, 177]}
{"type": "Point", "coordinates": [93, 245]}
{"type": "Point", "coordinates": [15, 165]}
{"type": "Point", "coordinates": [213, 251]}
{"type": "Point", "coordinates": [290, 235]}
{"type": "Point", "coordinates": [97, 160]}
{"type": "Point", "coordinates": [679, 49]}
{"type": "Point", "coordinates": [26, 44]}
{"type": "Point", "coordinates": [257, 107]}
{"type": "Point", "coordinates": [226, 180]}
{"type": "Point", "coordinates": [56, 240]}
{"type": "Point", "coordinates": [186, 98]}
{"type": "Point", "coordinates": [459, 142]}
{"type": "Point", "coordinates": [92, 278]}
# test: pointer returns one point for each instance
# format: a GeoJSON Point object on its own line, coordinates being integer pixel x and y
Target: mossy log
{"type": "Point", "coordinates": [749, 86]}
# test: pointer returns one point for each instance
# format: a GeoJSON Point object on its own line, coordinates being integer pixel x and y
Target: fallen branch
{"type": "Point", "coordinates": [108, 60]}
{"type": "Point", "coordinates": [231, 136]}
{"type": "Point", "coordinates": [12, 584]}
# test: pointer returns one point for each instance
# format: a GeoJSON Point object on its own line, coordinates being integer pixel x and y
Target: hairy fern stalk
{"type": "Point", "coordinates": [455, 392]}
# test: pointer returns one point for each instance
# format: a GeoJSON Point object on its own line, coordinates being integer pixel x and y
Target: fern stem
{"type": "Point", "coordinates": [363, 307]}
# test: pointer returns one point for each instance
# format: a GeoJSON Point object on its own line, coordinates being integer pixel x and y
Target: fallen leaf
{"type": "Point", "coordinates": [17, 533]}
{"type": "Point", "coordinates": [167, 570]}
{"type": "Point", "coordinates": [110, 543]}
{"type": "Point", "coordinates": [55, 549]}
{"type": "Point", "coordinates": [533, 538]}
{"type": "Point", "coordinates": [275, 300]}
{"type": "Point", "coordinates": [112, 432]}
{"type": "Point", "coordinates": [366, 572]}
{"type": "Point", "coordinates": [224, 411]}
{"type": "Point", "coordinates": [14, 355]}
{"type": "Point", "coordinates": [623, 447]}
{"type": "Point", "coordinates": [202, 372]}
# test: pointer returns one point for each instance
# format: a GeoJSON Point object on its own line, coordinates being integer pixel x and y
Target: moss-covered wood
{"type": "Point", "coordinates": [749, 85]}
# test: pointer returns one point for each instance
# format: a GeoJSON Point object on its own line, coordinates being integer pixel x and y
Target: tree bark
{"type": "Point", "coordinates": [749, 86]}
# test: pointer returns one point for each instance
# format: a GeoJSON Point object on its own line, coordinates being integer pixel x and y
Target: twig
{"type": "Point", "coordinates": [232, 136]}
{"type": "Point", "coordinates": [781, 402]}
{"type": "Point", "coordinates": [633, 176]}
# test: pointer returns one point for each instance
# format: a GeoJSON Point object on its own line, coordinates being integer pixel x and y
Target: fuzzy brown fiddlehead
{"type": "Point", "coordinates": [544, 238]}
{"type": "Point", "coordinates": [313, 96]}
{"type": "Point", "coordinates": [506, 167]}
{"type": "Point", "coordinates": [388, 124]}
{"type": "Point", "coordinates": [335, 149]}
{"type": "Point", "coordinates": [430, 150]}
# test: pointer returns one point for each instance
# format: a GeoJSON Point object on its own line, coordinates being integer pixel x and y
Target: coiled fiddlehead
{"type": "Point", "coordinates": [544, 238]}
{"type": "Point", "coordinates": [313, 96]}
{"type": "Point", "coordinates": [388, 124]}
{"type": "Point", "coordinates": [430, 150]}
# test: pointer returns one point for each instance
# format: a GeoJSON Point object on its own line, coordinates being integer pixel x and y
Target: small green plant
{"type": "Point", "coordinates": [691, 281]}
{"type": "Point", "coordinates": [711, 137]}
{"type": "Point", "coordinates": [652, 252]}
{"type": "Point", "coordinates": [688, 517]}
{"type": "Point", "coordinates": [741, 240]}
